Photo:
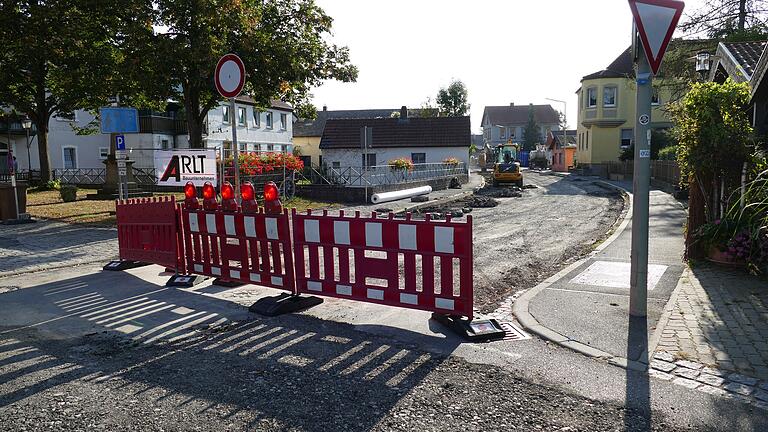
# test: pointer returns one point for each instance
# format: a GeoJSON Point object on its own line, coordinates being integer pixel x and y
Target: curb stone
{"type": "Point", "coordinates": [527, 320]}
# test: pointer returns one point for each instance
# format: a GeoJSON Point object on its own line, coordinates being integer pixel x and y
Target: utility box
{"type": "Point", "coordinates": [7, 205]}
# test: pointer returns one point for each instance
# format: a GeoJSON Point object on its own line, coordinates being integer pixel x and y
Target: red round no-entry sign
{"type": "Point", "coordinates": [230, 76]}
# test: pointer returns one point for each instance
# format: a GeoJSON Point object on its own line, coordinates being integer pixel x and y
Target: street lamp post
{"type": "Point", "coordinates": [27, 125]}
{"type": "Point", "coordinates": [565, 110]}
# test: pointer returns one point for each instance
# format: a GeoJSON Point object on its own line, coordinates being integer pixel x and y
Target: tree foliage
{"type": "Point", "coordinates": [63, 55]}
{"type": "Point", "coordinates": [713, 130]}
{"type": "Point", "coordinates": [721, 18]}
{"type": "Point", "coordinates": [531, 133]}
{"type": "Point", "coordinates": [284, 46]}
{"type": "Point", "coordinates": [453, 101]}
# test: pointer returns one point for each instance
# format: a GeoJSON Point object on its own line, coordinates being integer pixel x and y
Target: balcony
{"type": "Point", "coordinates": [162, 125]}
{"type": "Point", "coordinates": [13, 126]}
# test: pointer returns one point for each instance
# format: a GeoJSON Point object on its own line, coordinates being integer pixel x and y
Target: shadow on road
{"type": "Point", "coordinates": [167, 346]}
{"type": "Point", "coordinates": [637, 416]}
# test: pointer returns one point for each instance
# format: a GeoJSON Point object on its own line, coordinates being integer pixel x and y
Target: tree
{"type": "Point", "coordinates": [63, 55]}
{"type": "Point", "coordinates": [713, 131]}
{"type": "Point", "coordinates": [454, 100]}
{"type": "Point", "coordinates": [284, 46]}
{"type": "Point", "coordinates": [721, 18]}
{"type": "Point", "coordinates": [531, 133]}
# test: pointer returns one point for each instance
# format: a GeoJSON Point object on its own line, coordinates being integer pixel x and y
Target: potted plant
{"type": "Point", "coordinates": [451, 161]}
{"type": "Point", "coordinates": [68, 193]}
{"type": "Point", "coordinates": [725, 242]}
{"type": "Point", "coordinates": [400, 164]}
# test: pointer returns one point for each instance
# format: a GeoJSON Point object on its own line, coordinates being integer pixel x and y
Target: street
{"type": "Point", "coordinates": [196, 359]}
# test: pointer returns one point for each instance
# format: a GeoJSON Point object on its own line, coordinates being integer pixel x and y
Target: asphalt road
{"type": "Point", "coordinates": [82, 349]}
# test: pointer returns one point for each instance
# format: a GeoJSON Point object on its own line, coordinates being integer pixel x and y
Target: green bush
{"type": "Point", "coordinates": [68, 193]}
{"type": "Point", "coordinates": [668, 153]}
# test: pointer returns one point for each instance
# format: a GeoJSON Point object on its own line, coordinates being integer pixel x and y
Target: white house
{"type": "Point", "coordinates": [257, 130]}
{"type": "Point", "coordinates": [421, 139]}
{"type": "Point", "coordinates": [503, 123]}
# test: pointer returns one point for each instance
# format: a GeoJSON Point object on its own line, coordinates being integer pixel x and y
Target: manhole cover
{"type": "Point", "coordinates": [512, 332]}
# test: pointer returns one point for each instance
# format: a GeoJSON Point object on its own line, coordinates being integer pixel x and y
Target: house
{"type": "Point", "coordinates": [307, 133]}
{"type": "Point", "coordinates": [422, 139]}
{"type": "Point", "coordinates": [562, 149]}
{"type": "Point", "coordinates": [258, 130]}
{"type": "Point", "coordinates": [503, 123]}
{"type": "Point", "coordinates": [746, 62]}
{"type": "Point", "coordinates": [607, 103]}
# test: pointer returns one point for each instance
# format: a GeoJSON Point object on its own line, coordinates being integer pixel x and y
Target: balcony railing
{"type": "Point", "coordinates": [163, 125]}
{"type": "Point", "coordinates": [14, 127]}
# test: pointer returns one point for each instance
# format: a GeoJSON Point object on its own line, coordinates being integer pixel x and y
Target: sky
{"type": "Point", "coordinates": [520, 51]}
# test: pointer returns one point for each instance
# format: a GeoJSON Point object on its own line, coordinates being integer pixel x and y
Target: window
{"type": "Point", "coordinates": [626, 138]}
{"type": "Point", "coordinates": [419, 158]}
{"type": "Point", "coordinates": [241, 116]}
{"type": "Point", "coordinates": [164, 144]}
{"type": "Point", "coordinates": [371, 160]}
{"type": "Point", "coordinates": [609, 96]}
{"type": "Point", "coordinates": [270, 147]}
{"type": "Point", "coordinates": [655, 97]}
{"type": "Point", "coordinates": [502, 133]}
{"type": "Point", "coordinates": [243, 147]}
{"type": "Point", "coordinates": [225, 114]}
{"type": "Point", "coordinates": [269, 120]}
{"type": "Point", "coordinates": [70, 157]}
{"type": "Point", "coordinates": [591, 97]}
{"type": "Point", "coordinates": [586, 141]}
{"type": "Point", "coordinates": [283, 121]}
{"type": "Point", "coordinates": [278, 148]}
{"type": "Point", "coordinates": [103, 152]}
{"type": "Point", "coordinates": [256, 118]}
{"type": "Point", "coordinates": [227, 149]}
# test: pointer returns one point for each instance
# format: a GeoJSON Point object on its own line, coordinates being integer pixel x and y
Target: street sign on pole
{"type": "Point", "coordinates": [229, 78]}
{"type": "Point", "coordinates": [655, 21]}
{"type": "Point", "coordinates": [119, 120]}
{"type": "Point", "coordinates": [119, 142]}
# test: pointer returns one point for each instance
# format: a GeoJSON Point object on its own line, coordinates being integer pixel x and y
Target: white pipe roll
{"type": "Point", "coordinates": [397, 195]}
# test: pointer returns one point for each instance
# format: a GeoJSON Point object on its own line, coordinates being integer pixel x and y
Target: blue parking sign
{"type": "Point", "coordinates": [120, 142]}
{"type": "Point", "coordinates": [119, 120]}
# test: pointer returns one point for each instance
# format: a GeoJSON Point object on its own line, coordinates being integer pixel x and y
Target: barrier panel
{"type": "Point", "coordinates": [239, 247]}
{"type": "Point", "coordinates": [148, 231]}
{"type": "Point", "coordinates": [418, 264]}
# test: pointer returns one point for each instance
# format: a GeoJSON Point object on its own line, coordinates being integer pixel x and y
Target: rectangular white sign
{"type": "Point", "coordinates": [645, 153]}
{"type": "Point", "coordinates": [176, 168]}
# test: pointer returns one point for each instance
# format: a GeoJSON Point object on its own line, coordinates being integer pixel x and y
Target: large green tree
{"type": "Point", "coordinates": [532, 131]}
{"type": "Point", "coordinates": [284, 45]}
{"type": "Point", "coordinates": [453, 101]}
{"type": "Point", "coordinates": [63, 55]}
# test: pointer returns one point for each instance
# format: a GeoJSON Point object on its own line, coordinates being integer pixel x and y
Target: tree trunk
{"type": "Point", "coordinates": [742, 14]}
{"type": "Point", "coordinates": [696, 218]}
{"type": "Point", "coordinates": [42, 148]}
{"type": "Point", "coordinates": [194, 119]}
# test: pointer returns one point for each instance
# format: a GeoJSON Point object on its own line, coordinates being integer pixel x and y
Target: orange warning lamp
{"type": "Point", "coordinates": [248, 198]}
{"type": "Point", "coordinates": [209, 197]}
{"type": "Point", "coordinates": [190, 197]}
{"type": "Point", "coordinates": [228, 202]}
{"type": "Point", "coordinates": [272, 198]}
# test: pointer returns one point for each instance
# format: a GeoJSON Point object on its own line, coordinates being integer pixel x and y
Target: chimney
{"type": "Point", "coordinates": [325, 107]}
{"type": "Point", "coordinates": [403, 112]}
{"type": "Point", "coordinates": [511, 104]}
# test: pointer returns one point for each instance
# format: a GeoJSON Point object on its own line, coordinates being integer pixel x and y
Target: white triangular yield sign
{"type": "Point", "coordinates": [656, 21]}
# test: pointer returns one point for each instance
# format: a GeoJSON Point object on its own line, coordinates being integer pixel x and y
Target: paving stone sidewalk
{"type": "Point", "coordinates": [49, 244]}
{"type": "Point", "coordinates": [716, 336]}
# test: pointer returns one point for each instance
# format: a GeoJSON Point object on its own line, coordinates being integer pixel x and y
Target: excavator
{"type": "Point", "coordinates": [506, 168]}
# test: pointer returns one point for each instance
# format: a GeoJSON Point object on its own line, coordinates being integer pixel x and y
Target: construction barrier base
{"type": "Point", "coordinates": [474, 330]}
{"type": "Point", "coordinates": [283, 304]}
{"type": "Point", "coordinates": [227, 283]}
{"type": "Point", "coordinates": [123, 265]}
{"type": "Point", "coordinates": [184, 281]}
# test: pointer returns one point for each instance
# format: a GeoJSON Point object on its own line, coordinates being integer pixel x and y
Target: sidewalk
{"type": "Point", "coordinates": [707, 327]}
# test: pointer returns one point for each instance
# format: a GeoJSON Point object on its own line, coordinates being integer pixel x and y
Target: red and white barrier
{"type": "Point", "coordinates": [248, 248]}
{"type": "Point", "coordinates": [148, 232]}
{"type": "Point", "coordinates": [417, 264]}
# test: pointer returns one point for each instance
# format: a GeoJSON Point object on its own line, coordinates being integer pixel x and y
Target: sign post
{"type": "Point", "coordinates": [655, 22]}
{"type": "Point", "coordinates": [230, 79]}
{"type": "Point", "coordinates": [122, 172]}
{"type": "Point", "coordinates": [12, 172]}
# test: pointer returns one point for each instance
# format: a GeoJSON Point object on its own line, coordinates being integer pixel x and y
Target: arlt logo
{"type": "Point", "coordinates": [184, 164]}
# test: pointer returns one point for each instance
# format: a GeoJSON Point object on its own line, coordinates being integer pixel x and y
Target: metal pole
{"type": "Point", "coordinates": [235, 149]}
{"type": "Point", "coordinates": [565, 138]}
{"type": "Point", "coordinates": [638, 294]}
{"type": "Point", "coordinates": [29, 159]}
{"type": "Point", "coordinates": [365, 160]}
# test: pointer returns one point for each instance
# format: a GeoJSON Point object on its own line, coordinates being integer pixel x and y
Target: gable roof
{"type": "Point", "coordinates": [518, 114]}
{"type": "Point", "coordinates": [305, 127]}
{"type": "Point", "coordinates": [393, 132]}
{"type": "Point", "coordinates": [622, 66]}
{"type": "Point", "coordinates": [273, 103]}
{"type": "Point", "coordinates": [737, 60]}
{"type": "Point", "coordinates": [557, 137]}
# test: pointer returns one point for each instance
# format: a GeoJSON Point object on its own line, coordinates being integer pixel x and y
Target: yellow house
{"type": "Point", "coordinates": [606, 118]}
